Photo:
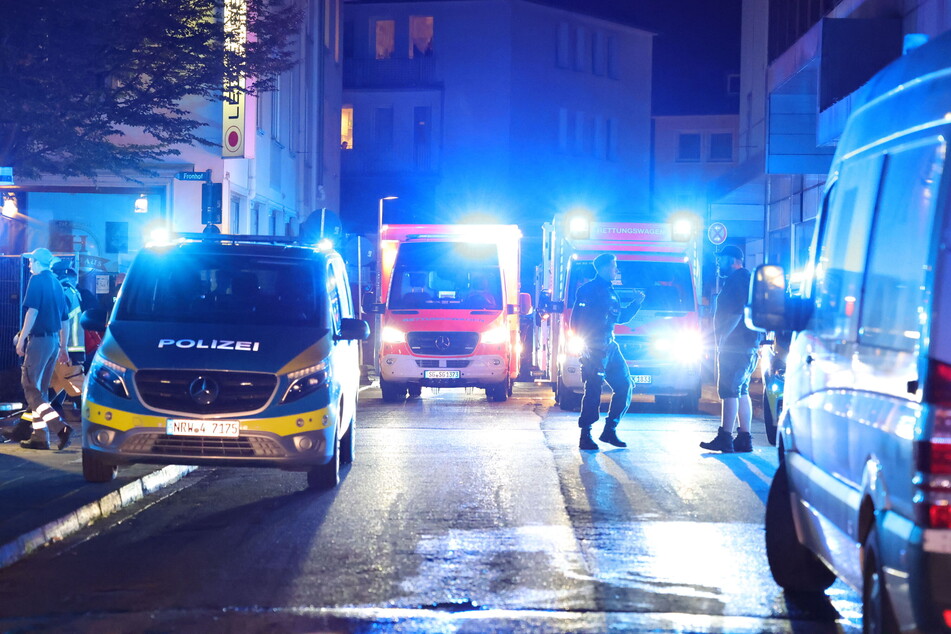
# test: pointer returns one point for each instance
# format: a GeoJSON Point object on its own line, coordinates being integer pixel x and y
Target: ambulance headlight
{"type": "Point", "coordinates": [109, 375]}
{"type": "Point", "coordinates": [575, 344]}
{"type": "Point", "coordinates": [496, 335]}
{"type": "Point", "coordinates": [393, 335]}
{"type": "Point", "coordinates": [686, 347]}
{"type": "Point", "coordinates": [306, 381]}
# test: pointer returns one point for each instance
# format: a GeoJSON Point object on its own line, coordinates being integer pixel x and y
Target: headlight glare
{"type": "Point", "coordinates": [575, 344]}
{"type": "Point", "coordinates": [496, 335]}
{"type": "Point", "coordinates": [686, 346]}
{"type": "Point", "coordinates": [393, 335]}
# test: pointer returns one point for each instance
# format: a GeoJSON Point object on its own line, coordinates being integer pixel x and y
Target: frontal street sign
{"type": "Point", "coordinates": [716, 233]}
{"type": "Point", "coordinates": [194, 176]}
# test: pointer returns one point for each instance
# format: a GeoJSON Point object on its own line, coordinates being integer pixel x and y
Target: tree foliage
{"type": "Point", "coordinates": [77, 77]}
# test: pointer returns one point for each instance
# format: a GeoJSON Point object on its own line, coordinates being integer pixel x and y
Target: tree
{"type": "Point", "coordinates": [77, 77]}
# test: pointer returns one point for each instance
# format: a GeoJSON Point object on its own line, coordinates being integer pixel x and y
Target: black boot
{"type": "Point", "coordinates": [723, 442]}
{"type": "Point", "coordinates": [39, 440]}
{"type": "Point", "coordinates": [587, 442]}
{"type": "Point", "coordinates": [743, 442]}
{"type": "Point", "coordinates": [609, 435]}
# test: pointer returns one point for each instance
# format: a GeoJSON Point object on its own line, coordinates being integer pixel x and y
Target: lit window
{"type": "Point", "coordinates": [420, 36]}
{"type": "Point", "coordinates": [688, 147]}
{"type": "Point", "coordinates": [346, 128]}
{"type": "Point", "coordinates": [385, 38]}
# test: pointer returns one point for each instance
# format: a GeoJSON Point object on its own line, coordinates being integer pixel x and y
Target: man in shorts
{"type": "Point", "coordinates": [737, 355]}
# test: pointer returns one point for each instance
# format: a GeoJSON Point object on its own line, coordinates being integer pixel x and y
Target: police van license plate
{"type": "Point", "coordinates": [441, 374]}
{"type": "Point", "coordinates": [216, 428]}
{"type": "Point", "coordinates": [641, 378]}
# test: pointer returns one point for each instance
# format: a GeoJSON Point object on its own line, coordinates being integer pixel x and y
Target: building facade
{"type": "Point", "coordinates": [491, 109]}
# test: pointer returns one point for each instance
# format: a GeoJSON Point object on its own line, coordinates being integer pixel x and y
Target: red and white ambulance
{"type": "Point", "coordinates": [450, 307]}
{"type": "Point", "coordinates": [662, 344]}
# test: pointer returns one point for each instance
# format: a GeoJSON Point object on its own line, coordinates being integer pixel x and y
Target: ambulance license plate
{"type": "Point", "coordinates": [641, 378]}
{"type": "Point", "coordinates": [214, 428]}
{"type": "Point", "coordinates": [441, 374]}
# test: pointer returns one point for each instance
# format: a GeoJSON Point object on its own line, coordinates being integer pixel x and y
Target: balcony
{"type": "Point", "coordinates": [390, 73]}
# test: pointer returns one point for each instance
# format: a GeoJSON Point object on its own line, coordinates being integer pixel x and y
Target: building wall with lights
{"type": "Point", "coordinates": [492, 108]}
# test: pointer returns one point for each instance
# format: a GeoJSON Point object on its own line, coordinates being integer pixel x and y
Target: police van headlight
{"type": "Point", "coordinates": [109, 375]}
{"type": "Point", "coordinates": [496, 335]}
{"type": "Point", "coordinates": [686, 347]}
{"type": "Point", "coordinates": [306, 381]}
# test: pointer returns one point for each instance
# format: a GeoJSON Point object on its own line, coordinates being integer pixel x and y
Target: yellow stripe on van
{"type": "Point", "coordinates": [281, 425]}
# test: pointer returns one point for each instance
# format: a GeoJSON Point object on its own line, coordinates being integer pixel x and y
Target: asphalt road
{"type": "Point", "coordinates": [457, 515]}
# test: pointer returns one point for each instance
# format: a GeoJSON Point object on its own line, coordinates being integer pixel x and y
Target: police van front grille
{"type": "Point", "coordinates": [442, 343]}
{"type": "Point", "coordinates": [203, 446]}
{"type": "Point", "coordinates": [201, 392]}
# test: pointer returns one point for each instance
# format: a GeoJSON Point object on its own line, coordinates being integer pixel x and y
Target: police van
{"type": "Point", "coordinates": [226, 350]}
{"type": "Point", "coordinates": [863, 488]}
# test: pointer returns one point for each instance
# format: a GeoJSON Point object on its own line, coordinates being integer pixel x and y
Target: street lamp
{"type": "Point", "coordinates": [379, 224]}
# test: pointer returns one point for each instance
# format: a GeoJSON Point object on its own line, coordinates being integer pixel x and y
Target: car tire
{"type": "Point", "coordinates": [415, 391]}
{"type": "Point", "coordinates": [794, 567]}
{"type": "Point", "coordinates": [877, 614]}
{"type": "Point", "coordinates": [498, 393]}
{"type": "Point", "coordinates": [96, 470]}
{"type": "Point", "coordinates": [568, 400]}
{"type": "Point", "coordinates": [347, 445]}
{"type": "Point", "coordinates": [326, 476]}
{"type": "Point", "coordinates": [392, 392]}
{"type": "Point", "coordinates": [769, 421]}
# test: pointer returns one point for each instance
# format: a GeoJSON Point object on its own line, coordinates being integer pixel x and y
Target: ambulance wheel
{"type": "Point", "coordinates": [498, 393]}
{"type": "Point", "coordinates": [415, 391]}
{"type": "Point", "coordinates": [95, 470]}
{"type": "Point", "coordinates": [568, 400]}
{"type": "Point", "coordinates": [392, 392]}
{"type": "Point", "coordinates": [326, 476]}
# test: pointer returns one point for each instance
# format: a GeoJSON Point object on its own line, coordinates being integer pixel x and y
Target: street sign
{"type": "Point", "coordinates": [211, 204]}
{"type": "Point", "coordinates": [716, 233]}
{"type": "Point", "coordinates": [194, 176]}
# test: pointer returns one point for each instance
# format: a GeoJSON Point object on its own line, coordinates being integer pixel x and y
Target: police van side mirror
{"type": "Point", "coordinates": [94, 319]}
{"type": "Point", "coordinates": [767, 308]}
{"type": "Point", "coordinates": [354, 329]}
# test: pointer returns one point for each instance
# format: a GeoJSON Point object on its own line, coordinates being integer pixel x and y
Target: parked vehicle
{"type": "Point", "coordinates": [662, 344]}
{"type": "Point", "coordinates": [450, 308]}
{"type": "Point", "coordinates": [231, 350]}
{"type": "Point", "coordinates": [863, 488]}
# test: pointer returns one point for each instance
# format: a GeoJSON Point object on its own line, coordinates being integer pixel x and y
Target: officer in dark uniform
{"type": "Point", "coordinates": [597, 309]}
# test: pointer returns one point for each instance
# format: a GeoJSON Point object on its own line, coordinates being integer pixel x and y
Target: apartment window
{"type": "Point", "coordinates": [688, 147]}
{"type": "Point", "coordinates": [346, 128]}
{"type": "Point", "coordinates": [327, 10]}
{"type": "Point", "coordinates": [422, 136]}
{"type": "Point", "coordinates": [579, 133]}
{"type": "Point", "coordinates": [614, 69]}
{"type": "Point", "coordinates": [580, 48]}
{"type": "Point", "coordinates": [273, 222]}
{"type": "Point", "coordinates": [255, 227]}
{"type": "Point", "coordinates": [599, 61]}
{"type": "Point", "coordinates": [733, 84]}
{"type": "Point", "coordinates": [385, 38]}
{"type": "Point", "coordinates": [420, 36]}
{"type": "Point", "coordinates": [614, 134]}
{"type": "Point", "coordinates": [600, 138]}
{"type": "Point", "coordinates": [721, 147]}
{"type": "Point", "coordinates": [276, 110]}
{"type": "Point", "coordinates": [349, 39]}
{"type": "Point", "coordinates": [563, 129]}
{"type": "Point", "coordinates": [235, 214]}
{"type": "Point", "coordinates": [564, 46]}
{"type": "Point", "coordinates": [383, 123]}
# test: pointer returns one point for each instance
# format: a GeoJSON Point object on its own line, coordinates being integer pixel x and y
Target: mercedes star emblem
{"type": "Point", "coordinates": [442, 342]}
{"type": "Point", "coordinates": [203, 390]}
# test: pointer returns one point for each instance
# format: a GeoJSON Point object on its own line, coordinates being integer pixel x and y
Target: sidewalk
{"type": "Point", "coordinates": [43, 496]}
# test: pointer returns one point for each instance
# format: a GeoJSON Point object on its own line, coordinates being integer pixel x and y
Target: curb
{"type": "Point", "coordinates": [65, 526]}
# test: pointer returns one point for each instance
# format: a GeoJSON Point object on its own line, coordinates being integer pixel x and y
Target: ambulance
{"type": "Point", "coordinates": [450, 308]}
{"type": "Point", "coordinates": [662, 344]}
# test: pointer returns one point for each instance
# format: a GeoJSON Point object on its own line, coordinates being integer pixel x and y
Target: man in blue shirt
{"type": "Point", "coordinates": [41, 341]}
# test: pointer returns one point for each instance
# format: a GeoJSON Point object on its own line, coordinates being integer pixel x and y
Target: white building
{"type": "Point", "coordinates": [502, 109]}
{"type": "Point", "coordinates": [290, 167]}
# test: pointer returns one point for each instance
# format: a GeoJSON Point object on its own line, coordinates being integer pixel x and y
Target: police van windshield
{"type": "Point", "coordinates": [666, 285]}
{"type": "Point", "coordinates": [222, 288]}
{"type": "Point", "coordinates": [447, 275]}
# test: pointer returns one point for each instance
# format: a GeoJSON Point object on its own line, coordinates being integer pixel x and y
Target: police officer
{"type": "Point", "coordinates": [597, 309]}
{"type": "Point", "coordinates": [41, 341]}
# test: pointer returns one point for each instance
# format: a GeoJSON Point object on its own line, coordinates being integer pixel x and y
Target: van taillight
{"type": "Point", "coordinates": [934, 458]}
{"type": "Point", "coordinates": [938, 386]}
{"type": "Point", "coordinates": [933, 479]}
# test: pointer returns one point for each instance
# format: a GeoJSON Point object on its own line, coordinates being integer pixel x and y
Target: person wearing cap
{"type": "Point", "coordinates": [596, 311]}
{"type": "Point", "coordinates": [737, 355]}
{"type": "Point", "coordinates": [41, 342]}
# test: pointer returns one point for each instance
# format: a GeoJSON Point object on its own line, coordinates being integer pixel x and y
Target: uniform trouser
{"type": "Point", "coordinates": [599, 365]}
{"type": "Point", "coordinates": [35, 376]}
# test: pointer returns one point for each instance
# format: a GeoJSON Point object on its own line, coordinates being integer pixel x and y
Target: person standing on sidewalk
{"type": "Point", "coordinates": [597, 309]}
{"type": "Point", "coordinates": [737, 355]}
{"type": "Point", "coordinates": [41, 342]}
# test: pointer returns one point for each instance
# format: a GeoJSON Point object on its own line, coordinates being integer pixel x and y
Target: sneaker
{"type": "Point", "coordinates": [723, 442]}
{"type": "Point", "coordinates": [609, 435]}
{"type": "Point", "coordinates": [587, 443]}
{"type": "Point", "coordinates": [743, 442]}
{"type": "Point", "coordinates": [65, 437]}
{"type": "Point", "coordinates": [40, 439]}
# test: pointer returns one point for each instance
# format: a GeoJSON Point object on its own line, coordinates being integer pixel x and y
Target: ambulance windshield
{"type": "Point", "coordinates": [446, 275]}
{"type": "Point", "coordinates": [222, 288]}
{"type": "Point", "coordinates": [667, 286]}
